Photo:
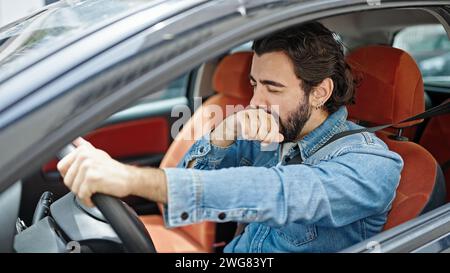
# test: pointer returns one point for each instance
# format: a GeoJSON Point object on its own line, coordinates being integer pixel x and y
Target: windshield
{"type": "Point", "coordinates": [26, 40]}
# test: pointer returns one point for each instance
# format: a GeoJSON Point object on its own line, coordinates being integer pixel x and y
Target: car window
{"type": "Point", "coordinates": [176, 88]}
{"type": "Point", "coordinates": [26, 40]}
{"type": "Point", "coordinates": [244, 47]}
{"type": "Point", "coordinates": [429, 45]}
{"type": "Point", "coordinates": [174, 93]}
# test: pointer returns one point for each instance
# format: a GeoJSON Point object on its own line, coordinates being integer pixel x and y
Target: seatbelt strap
{"type": "Point", "coordinates": [435, 111]}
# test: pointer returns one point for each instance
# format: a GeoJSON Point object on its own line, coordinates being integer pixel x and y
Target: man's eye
{"type": "Point", "coordinates": [273, 91]}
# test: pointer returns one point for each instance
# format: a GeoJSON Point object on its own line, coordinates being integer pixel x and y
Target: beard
{"type": "Point", "coordinates": [295, 122]}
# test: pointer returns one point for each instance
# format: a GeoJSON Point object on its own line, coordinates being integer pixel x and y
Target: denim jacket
{"type": "Point", "coordinates": [338, 196]}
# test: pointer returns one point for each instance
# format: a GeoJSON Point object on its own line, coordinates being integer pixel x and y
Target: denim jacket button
{"type": "Point", "coordinates": [222, 215]}
{"type": "Point", "coordinates": [201, 149]}
{"type": "Point", "coordinates": [184, 215]}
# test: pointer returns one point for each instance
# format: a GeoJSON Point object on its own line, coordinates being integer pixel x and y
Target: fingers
{"type": "Point", "coordinates": [75, 166]}
{"type": "Point", "coordinates": [257, 124]}
{"type": "Point", "coordinates": [248, 124]}
{"type": "Point", "coordinates": [245, 126]}
{"type": "Point", "coordinates": [239, 123]}
{"type": "Point", "coordinates": [64, 164]}
{"type": "Point", "coordinates": [90, 170]}
{"type": "Point", "coordinates": [85, 193]}
{"type": "Point", "coordinates": [273, 135]}
{"type": "Point", "coordinates": [79, 141]}
{"type": "Point", "coordinates": [73, 171]}
{"type": "Point", "coordinates": [252, 126]}
{"type": "Point", "coordinates": [79, 178]}
{"type": "Point", "coordinates": [264, 125]}
{"type": "Point", "coordinates": [275, 130]}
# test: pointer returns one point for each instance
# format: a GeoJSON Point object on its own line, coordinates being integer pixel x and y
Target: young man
{"type": "Point", "coordinates": [334, 196]}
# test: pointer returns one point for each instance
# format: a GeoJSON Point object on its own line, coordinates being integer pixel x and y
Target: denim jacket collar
{"type": "Point", "coordinates": [335, 123]}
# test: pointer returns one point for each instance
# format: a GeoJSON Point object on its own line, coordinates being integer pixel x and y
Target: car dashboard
{"type": "Point", "coordinates": [10, 203]}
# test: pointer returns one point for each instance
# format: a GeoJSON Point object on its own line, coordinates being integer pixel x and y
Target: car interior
{"type": "Point", "coordinates": [389, 75]}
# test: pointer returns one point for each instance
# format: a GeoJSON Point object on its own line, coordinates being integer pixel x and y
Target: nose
{"type": "Point", "coordinates": [258, 99]}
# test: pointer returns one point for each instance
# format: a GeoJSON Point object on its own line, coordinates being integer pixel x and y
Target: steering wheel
{"type": "Point", "coordinates": [127, 225]}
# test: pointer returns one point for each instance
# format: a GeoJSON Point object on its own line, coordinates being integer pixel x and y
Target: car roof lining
{"type": "Point", "coordinates": [377, 26]}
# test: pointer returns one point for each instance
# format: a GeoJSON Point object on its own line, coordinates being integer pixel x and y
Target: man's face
{"type": "Point", "coordinates": [277, 89]}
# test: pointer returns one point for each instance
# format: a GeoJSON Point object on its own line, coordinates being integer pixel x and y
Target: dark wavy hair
{"type": "Point", "coordinates": [317, 54]}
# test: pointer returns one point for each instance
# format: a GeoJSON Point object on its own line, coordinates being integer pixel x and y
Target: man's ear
{"type": "Point", "coordinates": [321, 93]}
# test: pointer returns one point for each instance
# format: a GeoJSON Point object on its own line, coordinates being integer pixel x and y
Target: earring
{"type": "Point", "coordinates": [319, 106]}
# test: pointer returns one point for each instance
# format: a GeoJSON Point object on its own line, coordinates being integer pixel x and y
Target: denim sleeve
{"type": "Point", "coordinates": [360, 182]}
{"type": "Point", "coordinates": [206, 155]}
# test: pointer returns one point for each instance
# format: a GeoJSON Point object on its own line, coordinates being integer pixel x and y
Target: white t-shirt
{"type": "Point", "coordinates": [285, 148]}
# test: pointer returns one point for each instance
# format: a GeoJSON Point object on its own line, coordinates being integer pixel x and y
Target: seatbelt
{"type": "Point", "coordinates": [435, 111]}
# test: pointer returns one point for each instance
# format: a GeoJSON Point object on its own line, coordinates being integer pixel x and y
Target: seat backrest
{"type": "Point", "coordinates": [390, 90]}
{"type": "Point", "coordinates": [436, 139]}
{"type": "Point", "coordinates": [231, 82]}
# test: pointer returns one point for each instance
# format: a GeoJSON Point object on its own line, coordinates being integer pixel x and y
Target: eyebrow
{"type": "Point", "coordinates": [267, 82]}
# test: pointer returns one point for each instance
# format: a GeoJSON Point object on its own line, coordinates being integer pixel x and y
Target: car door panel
{"type": "Point", "coordinates": [429, 232]}
{"type": "Point", "coordinates": [129, 140]}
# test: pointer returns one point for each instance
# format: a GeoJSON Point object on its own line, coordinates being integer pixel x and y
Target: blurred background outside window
{"type": "Point", "coordinates": [430, 47]}
{"type": "Point", "coordinates": [11, 10]}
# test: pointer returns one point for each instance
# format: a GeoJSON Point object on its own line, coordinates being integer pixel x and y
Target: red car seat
{"type": "Point", "coordinates": [436, 139]}
{"type": "Point", "coordinates": [231, 82]}
{"type": "Point", "coordinates": [391, 90]}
